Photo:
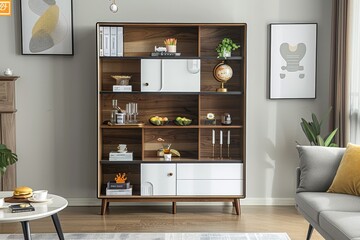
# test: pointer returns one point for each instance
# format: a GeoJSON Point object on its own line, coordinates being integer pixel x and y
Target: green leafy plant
{"type": "Point", "coordinates": [226, 45]}
{"type": "Point", "coordinates": [312, 130]}
{"type": "Point", "coordinates": [7, 158]}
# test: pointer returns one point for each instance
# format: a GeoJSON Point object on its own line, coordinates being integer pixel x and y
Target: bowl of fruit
{"type": "Point", "coordinates": [158, 121]}
{"type": "Point", "coordinates": [182, 121]}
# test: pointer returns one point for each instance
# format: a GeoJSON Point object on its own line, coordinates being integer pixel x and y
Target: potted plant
{"type": "Point", "coordinates": [170, 44]}
{"type": "Point", "coordinates": [225, 47]}
{"type": "Point", "coordinates": [7, 158]}
{"type": "Point", "coordinates": [312, 132]}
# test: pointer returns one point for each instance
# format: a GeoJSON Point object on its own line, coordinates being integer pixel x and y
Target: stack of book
{"type": "Point", "coordinates": [111, 42]}
{"type": "Point", "coordinates": [116, 189]}
{"type": "Point", "coordinates": [117, 156]}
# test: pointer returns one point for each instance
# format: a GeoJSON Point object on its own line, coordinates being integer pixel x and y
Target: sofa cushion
{"type": "Point", "coordinates": [341, 225]}
{"type": "Point", "coordinates": [318, 167]}
{"type": "Point", "coordinates": [312, 203]}
{"type": "Point", "coordinates": [347, 178]}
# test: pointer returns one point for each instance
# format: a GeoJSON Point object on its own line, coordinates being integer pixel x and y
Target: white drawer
{"type": "Point", "coordinates": [210, 171]}
{"type": "Point", "coordinates": [209, 187]}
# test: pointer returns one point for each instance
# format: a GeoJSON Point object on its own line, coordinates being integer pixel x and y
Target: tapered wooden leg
{"type": "Point", "coordinates": [310, 231]}
{"type": "Point", "coordinates": [236, 204]}
{"type": "Point", "coordinates": [26, 230]}
{"type": "Point", "coordinates": [174, 207]}
{"type": "Point", "coordinates": [104, 206]}
{"type": "Point", "coordinates": [57, 225]}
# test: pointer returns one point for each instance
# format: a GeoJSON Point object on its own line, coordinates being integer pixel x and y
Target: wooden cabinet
{"type": "Point", "coordinates": [196, 43]}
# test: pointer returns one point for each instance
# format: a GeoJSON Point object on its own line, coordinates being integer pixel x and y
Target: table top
{"type": "Point", "coordinates": [44, 209]}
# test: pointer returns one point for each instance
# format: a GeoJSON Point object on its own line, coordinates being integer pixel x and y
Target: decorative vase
{"type": "Point", "coordinates": [226, 54]}
{"type": "Point", "coordinates": [171, 48]}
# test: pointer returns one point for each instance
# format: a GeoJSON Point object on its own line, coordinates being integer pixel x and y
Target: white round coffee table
{"type": "Point", "coordinates": [42, 210]}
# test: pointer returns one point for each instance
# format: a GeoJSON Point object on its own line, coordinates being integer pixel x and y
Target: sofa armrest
{"type": "Point", "coordinates": [318, 166]}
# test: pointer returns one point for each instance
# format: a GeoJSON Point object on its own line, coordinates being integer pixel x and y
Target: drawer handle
{"type": "Point", "coordinates": [170, 174]}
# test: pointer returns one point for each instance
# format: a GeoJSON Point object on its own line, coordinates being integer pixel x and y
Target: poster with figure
{"type": "Point", "coordinates": [46, 27]}
{"type": "Point", "coordinates": [293, 60]}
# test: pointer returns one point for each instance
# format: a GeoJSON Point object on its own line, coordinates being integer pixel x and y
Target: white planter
{"type": "Point", "coordinates": [171, 48]}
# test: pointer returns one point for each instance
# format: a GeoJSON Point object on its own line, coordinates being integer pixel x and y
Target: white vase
{"type": "Point", "coordinates": [226, 54]}
{"type": "Point", "coordinates": [171, 48]}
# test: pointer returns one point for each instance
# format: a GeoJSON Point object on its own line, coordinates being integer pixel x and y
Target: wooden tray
{"type": "Point", "coordinates": [16, 200]}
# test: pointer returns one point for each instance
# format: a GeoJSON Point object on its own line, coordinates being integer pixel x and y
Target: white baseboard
{"type": "Point", "coordinates": [246, 201]}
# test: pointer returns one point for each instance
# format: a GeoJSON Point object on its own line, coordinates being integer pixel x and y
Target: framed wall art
{"type": "Point", "coordinates": [46, 27]}
{"type": "Point", "coordinates": [293, 60]}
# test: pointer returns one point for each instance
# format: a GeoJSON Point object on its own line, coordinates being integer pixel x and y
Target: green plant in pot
{"type": "Point", "coordinates": [225, 47]}
{"type": "Point", "coordinates": [312, 130]}
{"type": "Point", "coordinates": [7, 158]}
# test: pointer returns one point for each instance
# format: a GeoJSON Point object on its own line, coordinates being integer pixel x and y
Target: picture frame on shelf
{"type": "Point", "coordinates": [293, 48]}
{"type": "Point", "coordinates": [46, 27]}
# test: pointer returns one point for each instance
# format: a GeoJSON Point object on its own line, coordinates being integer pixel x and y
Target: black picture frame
{"type": "Point", "coordinates": [293, 61]}
{"type": "Point", "coordinates": [47, 27]}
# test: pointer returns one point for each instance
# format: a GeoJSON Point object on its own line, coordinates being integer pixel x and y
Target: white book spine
{"type": "Point", "coordinates": [120, 42]}
{"type": "Point", "coordinates": [113, 41]}
{"type": "Point", "coordinates": [101, 41]}
{"type": "Point", "coordinates": [106, 41]}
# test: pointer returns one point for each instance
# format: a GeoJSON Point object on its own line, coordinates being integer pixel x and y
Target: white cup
{"type": "Point", "coordinates": [2, 201]}
{"type": "Point", "coordinates": [122, 148]}
{"type": "Point", "coordinates": [40, 195]}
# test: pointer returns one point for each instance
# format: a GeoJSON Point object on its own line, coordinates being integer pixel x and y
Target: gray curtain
{"type": "Point", "coordinates": [339, 92]}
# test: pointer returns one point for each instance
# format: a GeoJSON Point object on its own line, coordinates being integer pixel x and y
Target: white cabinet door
{"type": "Point", "coordinates": [158, 179]}
{"type": "Point", "coordinates": [209, 187]}
{"type": "Point", "coordinates": [170, 75]}
{"type": "Point", "coordinates": [210, 171]}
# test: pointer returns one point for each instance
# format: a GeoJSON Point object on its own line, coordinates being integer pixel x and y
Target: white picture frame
{"type": "Point", "coordinates": [293, 53]}
{"type": "Point", "coordinates": [46, 27]}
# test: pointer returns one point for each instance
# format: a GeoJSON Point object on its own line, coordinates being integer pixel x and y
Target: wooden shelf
{"type": "Point", "coordinates": [235, 58]}
{"type": "Point", "coordinates": [177, 93]}
{"type": "Point", "coordinates": [173, 160]}
{"type": "Point", "coordinates": [194, 142]}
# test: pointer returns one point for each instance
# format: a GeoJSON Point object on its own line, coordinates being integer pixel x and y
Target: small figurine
{"type": "Point", "coordinates": [120, 178]}
{"type": "Point", "coordinates": [8, 72]}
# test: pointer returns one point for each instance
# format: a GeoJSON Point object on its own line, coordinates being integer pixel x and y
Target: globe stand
{"type": "Point", "coordinates": [221, 89]}
{"type": "Point", "coordinates": [222, 73]}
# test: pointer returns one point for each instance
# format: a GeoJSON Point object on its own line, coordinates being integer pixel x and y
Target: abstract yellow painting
{"type": "Point", "coordinates": [47, 27]}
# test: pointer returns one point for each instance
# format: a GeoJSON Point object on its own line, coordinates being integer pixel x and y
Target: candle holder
{"type": "Point", "coordinates": [228, 151]}
{"type": "Point", "coordinates": [213, 151]}
{"type": "Point", "coordinates": [221, 154]}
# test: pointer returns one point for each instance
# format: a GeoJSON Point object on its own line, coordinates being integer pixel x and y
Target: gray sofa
{"type": "Point", "coordinates": [334, 216]}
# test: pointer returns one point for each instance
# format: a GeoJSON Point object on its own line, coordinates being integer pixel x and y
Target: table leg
{"type": "Point", "coordinates": [26, 230]}
{"type": "Point", "coordinates": [57, 225]}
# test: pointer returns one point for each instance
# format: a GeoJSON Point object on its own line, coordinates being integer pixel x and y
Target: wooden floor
{"type": "Point", "coordinates": [188, 219]}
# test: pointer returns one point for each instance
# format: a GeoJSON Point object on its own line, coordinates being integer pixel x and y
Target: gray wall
{"type": "Point", "coordinates": [56, 96]}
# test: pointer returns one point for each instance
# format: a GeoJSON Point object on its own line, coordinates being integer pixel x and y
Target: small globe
{"type": "Point", "coordinates": [223, 72]}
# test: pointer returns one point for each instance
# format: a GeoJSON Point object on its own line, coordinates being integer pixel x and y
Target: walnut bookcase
{"type": "Point", "coordinates": [195, 41]}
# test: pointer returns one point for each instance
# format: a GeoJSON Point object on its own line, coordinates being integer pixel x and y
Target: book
{"type": "Point", "coordinates": [23, 207]}
{"type": "Point", "coordinates": [122, 88]}
{"type": "Point", "coordinates": [101, 41]}
{"type": "Point", "coordinates": [120, 42]}
{"type": "Point", "coordinates": [113, 41]}
{"type": "Point", "coordinates": [115, 185]}
{"type": "Point", "coordinates": [116, 192]}
{"type": "Point", "coordinates": [165, 54]}
{"type": "Point", "coordinates": [106, 42]}
{"type": "Point", "coordinates": [117, 156]}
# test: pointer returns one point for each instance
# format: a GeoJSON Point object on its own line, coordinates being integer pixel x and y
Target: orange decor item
{"type": "Point", "coordinates": [5, 8]}
{"type": "Point", "coordinates": [120, 178]}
